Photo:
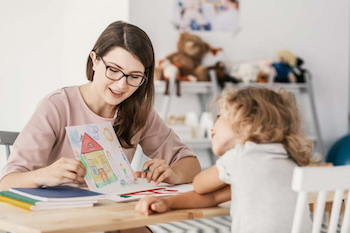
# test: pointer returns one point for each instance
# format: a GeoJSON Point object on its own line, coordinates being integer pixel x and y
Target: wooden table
{"type": "Point", "coordinates": [106, 216]}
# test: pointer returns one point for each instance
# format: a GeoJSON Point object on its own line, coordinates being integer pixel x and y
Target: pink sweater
{"type": "Point", "coordinates": [44, 140]}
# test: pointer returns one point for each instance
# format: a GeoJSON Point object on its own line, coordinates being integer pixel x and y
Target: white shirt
{"type": "Point", "coordinates": [260, 176]}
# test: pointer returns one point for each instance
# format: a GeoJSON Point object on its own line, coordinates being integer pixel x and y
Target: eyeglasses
{"type": "Point", "coordinates": [114, 74]}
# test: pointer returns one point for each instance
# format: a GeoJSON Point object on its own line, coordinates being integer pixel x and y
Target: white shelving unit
{"type": "Point", "coordinates": [202, 90]}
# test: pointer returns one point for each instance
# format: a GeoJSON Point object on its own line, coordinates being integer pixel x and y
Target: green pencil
{"type": "Point", "coordinates": [146, 170]}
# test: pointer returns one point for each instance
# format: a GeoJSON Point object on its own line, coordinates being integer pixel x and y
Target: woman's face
{"type": "Point", "coordinates": [223, 137]}
{"type": "Point", "coordinates": [115, 92]}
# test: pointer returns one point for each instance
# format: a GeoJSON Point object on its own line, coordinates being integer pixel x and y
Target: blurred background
{"type": "Point", "coordinates": [45, 44]}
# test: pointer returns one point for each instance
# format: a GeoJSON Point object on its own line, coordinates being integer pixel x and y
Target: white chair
{"type": "Point", "coordinates": [7, 139]}
{"type": "Point", "coordinates": [322, 180]}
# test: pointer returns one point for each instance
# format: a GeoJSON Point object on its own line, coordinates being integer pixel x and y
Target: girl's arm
{"type": "Point", "coordinates": [208, 181]}
{"type": "Point", "coordinates": [150, 204]}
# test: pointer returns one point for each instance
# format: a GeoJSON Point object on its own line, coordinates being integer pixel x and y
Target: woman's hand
{"type": "Point", "coordinates": [66, 171]}
{"type": "Point", "coordinates": [150, 204]}
{"type": "Point", "coordinates": [158, 171]}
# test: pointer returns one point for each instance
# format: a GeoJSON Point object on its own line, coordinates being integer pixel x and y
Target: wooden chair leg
{"type": "Point", "coordinates": [342, 211]}
{"type": "Point", "coordinates": [328, 210]}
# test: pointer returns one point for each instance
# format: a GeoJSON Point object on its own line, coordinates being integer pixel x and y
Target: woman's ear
{"type": "Point", "coordinates": [94, 59]}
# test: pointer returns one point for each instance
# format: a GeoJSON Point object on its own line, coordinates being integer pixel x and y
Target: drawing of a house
{"type": "Point", "coordinates": [96, 160]}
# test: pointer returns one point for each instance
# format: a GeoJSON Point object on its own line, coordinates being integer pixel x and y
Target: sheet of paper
{"type": "Point", "coordinates": [155, 190]}
{"type": "Point", "coordinates": [98, 148]}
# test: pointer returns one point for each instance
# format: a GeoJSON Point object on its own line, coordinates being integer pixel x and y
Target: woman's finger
{"type": "Point", "coordinates": [149, 163]}
{"type": "Point", "coordinates": [75, 168]}
{"type": "Point", "coordinates": [152, 169]}
{"type": "Point", "coordinates": [159, 171]}
{"type": "Point", "coordinates": [164, 176]}
{"type": "Point", "coordinates": [73, 176]}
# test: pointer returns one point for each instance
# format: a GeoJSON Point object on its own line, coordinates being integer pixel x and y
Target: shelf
{"type": "Point", "coordinates": [198, 143]}
{"type": "Point", "coordinates": [287, 86]}
{"type": "Point", "coordinates": [205, 143]}
{"type": "Point", "coordinates": [200, 87]}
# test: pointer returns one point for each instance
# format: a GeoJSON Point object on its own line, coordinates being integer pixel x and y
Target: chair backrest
{"type": "Point", "coordinates": [322, 180]}
{"type": "Point", "coordinates": [7, 139]}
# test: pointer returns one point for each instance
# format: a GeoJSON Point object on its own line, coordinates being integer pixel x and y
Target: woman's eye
{"type": "Point", "coordinates": [136, 76]}
{"type": "Point", "coordinates": [217, 117]}
{"type": "Point", "coordinates": [113, 70]}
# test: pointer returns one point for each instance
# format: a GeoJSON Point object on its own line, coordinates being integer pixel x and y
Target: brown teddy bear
{"type": "Point", "coordinates": [185, 64]}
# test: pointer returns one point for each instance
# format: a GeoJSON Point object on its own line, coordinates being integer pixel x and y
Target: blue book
{"type": "Point", "coordinates": [59, 193]}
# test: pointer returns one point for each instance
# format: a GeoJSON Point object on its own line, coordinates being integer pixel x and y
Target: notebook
{"type": "Point", "coordinates": [32, 201]}
{"type": "Point", "coordinates": [57, 205]}
{"type": "Point", "coordinates": [59, 194]}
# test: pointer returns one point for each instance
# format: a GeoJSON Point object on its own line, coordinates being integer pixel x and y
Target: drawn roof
{"type": "Point", "coordinates": [89, 145]}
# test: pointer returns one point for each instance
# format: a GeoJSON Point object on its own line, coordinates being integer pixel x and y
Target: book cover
{"type": "Point", "coordinates": [42, 203]}
{"type": "Point", "coordinates": [59, 193]}
{"type": "Point", "coordinates": [98, 148]}
{"type": "Point", "coordinates": [28, 206]}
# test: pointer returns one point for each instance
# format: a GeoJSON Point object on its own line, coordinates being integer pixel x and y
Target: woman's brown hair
{"type": "Point", "coordinates": [132, 113]}
{"type": "Point", "coordinates": [273, 116]}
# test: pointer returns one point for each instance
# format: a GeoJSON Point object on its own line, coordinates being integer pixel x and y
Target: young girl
{"type": "Point", "coordinates": [259, 138]}
{"type": "Point", "coordinates": [121, 91]}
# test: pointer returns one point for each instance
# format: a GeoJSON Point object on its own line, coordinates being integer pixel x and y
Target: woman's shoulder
{"type": "Point", "coordinates": [60, 100]}
{"type": "Point", "coordinates": [63, 93]}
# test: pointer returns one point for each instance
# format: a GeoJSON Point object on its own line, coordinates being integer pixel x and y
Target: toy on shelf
{"type": "Point", "coordinates": [299, 72]}
{"type": "Point", "coordinates": [245, 72]}
{"type": "Point", "coordinates": [185, 64]}
{"type": "Point", "coordinates": [282, 69]}
{"type": "Point", "coordinates": [222, 75]}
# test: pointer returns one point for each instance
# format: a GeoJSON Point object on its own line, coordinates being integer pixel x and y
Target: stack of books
{"type": "Point", "coordinates": [60, 197]}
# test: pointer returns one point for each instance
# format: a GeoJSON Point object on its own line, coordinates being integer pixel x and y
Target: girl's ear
{"type": "Point", "coordinates": [94, 59]}
{"type": "Point", "coordinates": [245, 128]}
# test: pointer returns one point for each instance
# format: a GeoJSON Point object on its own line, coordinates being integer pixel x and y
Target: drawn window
{"type": "Point", "coordinates": [93, 166]}
{"type": "Point", "coordinates": [106, 167]}
{"type": "Point", "coordinates": [104, 163]}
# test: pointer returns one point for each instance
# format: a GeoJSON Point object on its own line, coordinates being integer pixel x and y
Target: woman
{"type": "Point", "coordinates": [121, 91]}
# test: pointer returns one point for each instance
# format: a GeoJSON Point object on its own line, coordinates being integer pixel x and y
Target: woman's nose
{"type": "Point", "coordinates": [121, 84]}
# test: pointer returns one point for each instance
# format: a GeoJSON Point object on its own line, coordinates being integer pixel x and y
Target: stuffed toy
{"type": "Point", "coordinates": [283, 67]}
{"type": "Point", "coordinates": [298, 71]}
{"type": "Point", "coordinates": [262, 77]}
{"type": "Point", "coordinates": [185, 64]}
{"type": "Point", "coordinates": [245, 72]}
{"type": "Point", "coordinates": [222, 75]}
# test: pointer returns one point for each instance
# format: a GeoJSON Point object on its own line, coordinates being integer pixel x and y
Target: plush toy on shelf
{"type": "Point", "coordinates": [283, 67]}
{"type": "Point", "coordinates": [185, 64]}
{"type": "Point", "coordinates": [299, 72]}
{"type": "Point", "coordinates": [245, 72]}
{"type": "Point", "coordinates": [222, 75]}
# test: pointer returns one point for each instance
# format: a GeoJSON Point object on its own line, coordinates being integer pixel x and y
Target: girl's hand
{"type": "Point", "coordinates": [158, 171]}
{"type": "Point", "coordinates": [150, 204]}
{"type": "Point", "coordinates": [64, 171]}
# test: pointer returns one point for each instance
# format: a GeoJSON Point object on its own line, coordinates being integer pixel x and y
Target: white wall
{"type": "Point", "coordinates": [44, 46]}
{"type": "Point", "coordinates": [317, 31]}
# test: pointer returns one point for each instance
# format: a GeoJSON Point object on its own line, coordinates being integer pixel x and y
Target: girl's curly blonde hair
{"type": "Point", "coordinates": [273, 116]}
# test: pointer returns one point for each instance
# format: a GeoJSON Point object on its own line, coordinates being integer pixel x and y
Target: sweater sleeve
{"type": "Point", "coordinates": [159, 141]}
{"type": "Point", "coordinates": [33, 145]}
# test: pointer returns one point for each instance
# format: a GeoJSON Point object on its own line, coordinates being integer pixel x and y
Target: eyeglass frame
{"type": "Point", "coordinates": [144, 77]}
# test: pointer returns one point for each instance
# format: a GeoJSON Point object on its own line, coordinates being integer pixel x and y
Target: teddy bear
{"type": "Point", "coordinates": [185, 64]}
